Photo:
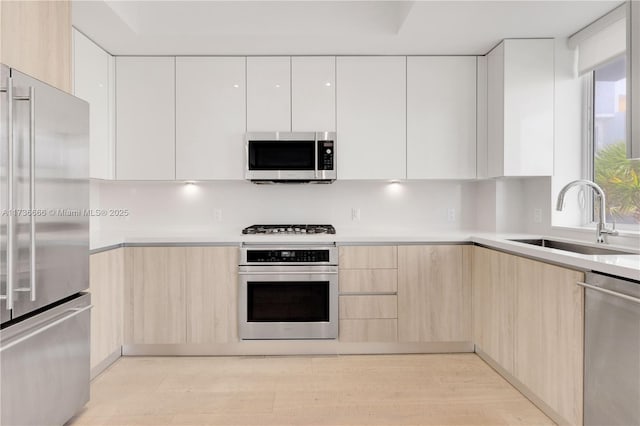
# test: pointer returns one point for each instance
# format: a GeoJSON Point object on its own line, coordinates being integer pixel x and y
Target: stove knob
{"type": "Point", "coordinates": [303, 231]}
{"type": "Point", "coordinates": [328, 151]}
{"type": "Point", "coordinates": [289, 229]}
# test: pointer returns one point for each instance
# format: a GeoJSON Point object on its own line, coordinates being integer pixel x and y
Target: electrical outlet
{"type": "Point", "coordinates": [537, 215]}
{"type": "Point", "coordinates": [217, 215]}
{"type": "Point", "coordinates": [355, 213]}
{"type": "Point", "coordinates": [451, 214]}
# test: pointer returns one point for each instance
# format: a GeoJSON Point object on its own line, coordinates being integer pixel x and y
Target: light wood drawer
{"type": "Point", "coordinates": [368, 307]}
{"type": "Point", "coordinates": [369, 281]}
{"type": "Point", "coordinates": [369, 330]}
{"type": "Point", "coordinates": [368, 257]}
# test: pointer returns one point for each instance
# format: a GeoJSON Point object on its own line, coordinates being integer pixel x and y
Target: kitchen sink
{"type": "Point", "coordinates": [572, 247]}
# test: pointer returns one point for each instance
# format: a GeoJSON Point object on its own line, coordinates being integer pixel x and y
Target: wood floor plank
{"type": "Point", "coordinates": [438, 389]}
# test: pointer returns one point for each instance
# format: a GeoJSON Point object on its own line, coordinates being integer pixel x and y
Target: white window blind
{"type": "Point", "coordinates": [601, 41]}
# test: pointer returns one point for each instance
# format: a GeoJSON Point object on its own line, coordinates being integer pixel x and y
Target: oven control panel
{"type": "Point", "coordinates": [288, 256]}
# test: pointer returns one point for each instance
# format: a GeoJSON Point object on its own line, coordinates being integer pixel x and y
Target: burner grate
{"type": "Point", "coordinates": [289, 229]}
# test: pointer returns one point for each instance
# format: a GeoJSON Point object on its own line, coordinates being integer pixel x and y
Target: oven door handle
{"type": "Point", "coordinates": [287, 273]}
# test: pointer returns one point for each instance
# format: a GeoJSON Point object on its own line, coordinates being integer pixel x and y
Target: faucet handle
{"type": "Point", "coordinates": [612, 231]}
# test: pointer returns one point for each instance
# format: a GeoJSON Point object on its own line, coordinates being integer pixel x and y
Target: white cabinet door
{"type": "Point", "coordinates": [371, 120]}
{"type": "Point", "coordinates": [528, 113]}
{"type": "Point", "coordinates": [495, 111]}
{"type": "Point", "coordinates": [93, 82]}
{"type": "Point", "coordinates": [210, 118]}
{"type": "Point", "coordinates": [313, 93]}
{"type": "Point", "coordinates": [145, 118]}
{"type": "Point", "coordinates": [441, 117]}
{"type": "Point", "coordinates": [520, 108]}
{"type": "Point", "coordinates": [481, 119]}
{"type": "Point", "coordinates": [268, 93]}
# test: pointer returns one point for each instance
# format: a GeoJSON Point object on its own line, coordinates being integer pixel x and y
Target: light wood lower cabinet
{"type": "Point", "coordinates": [368, 306]}
{"type": "Point", "coordinates": [494, 277]}
{"type": "Point", "coordinates": [106, 284]}
{"type": "Point", "coordinates": [368, 280]}
{"type": "Point", "coordinates": [434, 294]}
{"type": "Point", "coordinates": [156, 296]}
{"type": "Point", "coordinates": [211, 287]}
{"type": "Point", "coordinates": [368, 257]}
{"type": "Point", "coordinates": [181, 295]}
{"type": "Point", "coordinates": [369, 330]}
{"type": "Point", "coordinates": [548, 335]}
{"type": "Point", "coordinates": [528, 318]}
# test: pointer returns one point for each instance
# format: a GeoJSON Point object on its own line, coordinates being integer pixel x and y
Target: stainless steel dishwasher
{"type": "Point", "coordinates": [612, 351]}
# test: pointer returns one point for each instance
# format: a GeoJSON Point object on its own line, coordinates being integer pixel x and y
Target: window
{"type": "Point", "coordinates": [608, 165]}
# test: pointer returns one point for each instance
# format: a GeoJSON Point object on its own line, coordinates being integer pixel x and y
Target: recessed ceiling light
{"type": "Point", "coordinates": [328, 84]}
{"type": "Point", "coordinates": [277, 86]}
{"type": "Point", "coordinates": [236, 86]}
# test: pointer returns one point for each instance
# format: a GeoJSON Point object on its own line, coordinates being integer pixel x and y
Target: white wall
{"type": "Point", "coordinates": [568, 134]}
{"type": "Point", "coordinates": [166, 209]}
{"type": "Point", "coordinates": [508, 205]}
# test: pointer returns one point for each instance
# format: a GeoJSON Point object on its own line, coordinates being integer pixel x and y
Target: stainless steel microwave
{"type": "Point", "coordinates": [291, 157]}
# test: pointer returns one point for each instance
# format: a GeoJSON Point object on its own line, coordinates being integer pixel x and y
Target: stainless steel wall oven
{"type": "Point", "coordinates": [288, 292]}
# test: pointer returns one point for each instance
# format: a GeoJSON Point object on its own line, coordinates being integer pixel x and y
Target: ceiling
{"type": "Point", "coordinates": [325, 27]}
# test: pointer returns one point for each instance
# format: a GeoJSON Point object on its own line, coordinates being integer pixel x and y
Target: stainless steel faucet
{"type": "Point", "coordinates": [601, 228]}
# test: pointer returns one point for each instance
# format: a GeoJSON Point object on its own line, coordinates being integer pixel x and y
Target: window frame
{"type": "Point", "coordinates": [587, 200]}
{"type": "Point", "coordinates": [588, 156]}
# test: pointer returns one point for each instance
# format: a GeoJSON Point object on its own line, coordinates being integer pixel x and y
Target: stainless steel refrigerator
{"type": "Point", "coordinates": [44, 255]}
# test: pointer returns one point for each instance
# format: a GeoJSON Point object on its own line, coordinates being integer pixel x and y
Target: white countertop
{"type": "Point", "coordinates": [626, 265]}
{"type": "Point", "coordinates": [236, 237]}
{"type": "Point", "coordinates": [622, 265]}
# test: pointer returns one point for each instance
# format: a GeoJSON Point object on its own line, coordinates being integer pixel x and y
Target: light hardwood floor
{"type": "Point", "coordinates": [450, 389]}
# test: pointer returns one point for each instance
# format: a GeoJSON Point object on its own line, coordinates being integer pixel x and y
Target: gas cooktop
{"type": "Point", "coordinates": [290, 229]}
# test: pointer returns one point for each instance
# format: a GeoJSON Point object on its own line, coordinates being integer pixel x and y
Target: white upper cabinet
{"type": "Point", "coordinates": [145, 118]}
{"type": "Point", "coordinates": [441, 117]}
{"type": "Point", "coordinates": [520, 108]}
{"type": "Point", "coordinates": [268, 94]}
{"type": "Point", "coordinates": [371, 119]}
{"type": "Point", "coordinates": [210, 118]}
{"type": "Point", "coordinates": [481, 119]}
{"type": "Point", "coordinates": [313, 93]}
{"type": "Point", "coordinates": [93, 81]}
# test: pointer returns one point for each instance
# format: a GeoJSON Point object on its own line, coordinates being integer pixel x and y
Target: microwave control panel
{"type": "Point", "coordinates": [325, 155]}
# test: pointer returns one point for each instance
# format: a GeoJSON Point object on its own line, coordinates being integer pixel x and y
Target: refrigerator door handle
{"type": "Point", "coordinates": [72, 313]}
{"type": "Point", "coordinates": [10, 213]}
{"type": "Point", "coordinates": [32, 189]}
{"type": "Point", "coordinates": [32, 192]}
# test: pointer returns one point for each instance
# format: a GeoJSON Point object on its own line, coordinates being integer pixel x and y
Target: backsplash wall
{"type": "Point", "coordinates": [174, 209]}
